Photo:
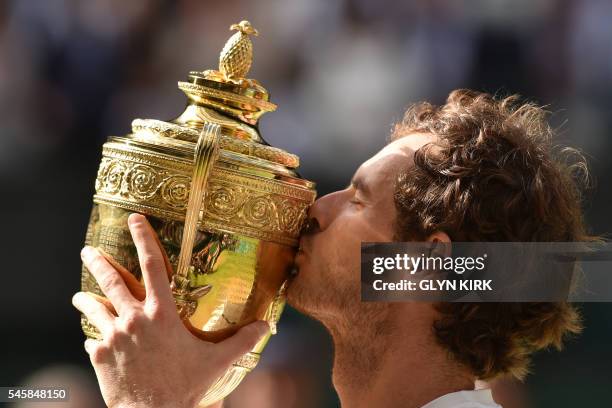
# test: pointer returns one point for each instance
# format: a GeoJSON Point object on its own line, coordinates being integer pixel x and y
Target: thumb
{"type": "Point", "coordinates": [243, 341]}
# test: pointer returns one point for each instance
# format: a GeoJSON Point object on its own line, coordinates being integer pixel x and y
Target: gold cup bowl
{"type": "Point", "coordinates": [226, 206]}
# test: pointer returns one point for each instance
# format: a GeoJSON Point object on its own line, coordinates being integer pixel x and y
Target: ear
{"type": "Point", "coordinates": [441, 244]}
{"type": "Point", "coordinates": [439, 236]}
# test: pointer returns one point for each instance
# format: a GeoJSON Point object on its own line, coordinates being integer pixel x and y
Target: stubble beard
{"type": "Point", "coordinates": [359, 330]}
{"type": "Point", "coordinates": [313, 296]}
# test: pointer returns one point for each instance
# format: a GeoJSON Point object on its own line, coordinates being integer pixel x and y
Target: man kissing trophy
{"type": "Point", "coordinates": [225, 211]}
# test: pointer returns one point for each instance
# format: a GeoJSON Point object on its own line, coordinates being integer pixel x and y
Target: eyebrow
{"type": "Point", "coordinates": [359, 184]}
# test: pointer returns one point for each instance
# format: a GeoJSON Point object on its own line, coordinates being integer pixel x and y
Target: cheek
{"type": "Point", "coordinates": [333, 264]}
{"type": "Point", "coordinates": [369, 225]}
{"type": "Point", "coordinates": [346, 230]}
{"type": "Point", "coordinates": [339, 246]}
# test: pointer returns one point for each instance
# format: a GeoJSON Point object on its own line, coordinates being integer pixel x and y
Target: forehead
{"type": "Point", "coordinates": [394, 157]}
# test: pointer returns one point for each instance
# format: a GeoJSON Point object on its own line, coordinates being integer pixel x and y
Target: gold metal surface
{"type": "Point", "coordinates": [237, 54]}
{"type": "Point", "coordinates": [227, 207]}
{"type": "Point", "coordinates": [151, 127]}
{"type": "Point", "coordinates": [228, 90]}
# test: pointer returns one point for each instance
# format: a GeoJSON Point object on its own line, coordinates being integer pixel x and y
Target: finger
{"type": "Point", "coordinates": [133, 284]}
{"type": "Point", "coordinates": [242, 342]}
{"type": "Point", "coordinates": [96, 312]}
{"type": "Point", "coordinates": [105, 302]}
{"type": "Point", "coordinates": [216, 336]}
{"type": "Point", "coordinates": [151, 260]}
{"type": "Point", "coordinates": [169, 269]}
{"type": "Point", "coordinates": [218, 404]}
{"type": "Point", "coordinates": [108, 278]}
{"type": "Point", "coordinates": [91, 345]}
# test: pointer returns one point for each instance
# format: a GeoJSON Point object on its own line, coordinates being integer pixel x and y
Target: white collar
{"type": "Point", "coordinates": [465, 399]}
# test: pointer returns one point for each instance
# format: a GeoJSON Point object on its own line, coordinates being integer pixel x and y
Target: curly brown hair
{"type": "Point", "coordinates": [492, 175]}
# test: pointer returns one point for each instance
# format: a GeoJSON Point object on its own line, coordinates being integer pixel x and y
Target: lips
{"type": "Point", "coordinates": [309, 226]}
{"type": "Point", "coordinates": [294, 271]}
{"type": "Point", "coordinates": [300, 252]}
{"type": "Point", "coordinates": [298, 257]}
{"type": "Point", "coordinates": [302, 247]}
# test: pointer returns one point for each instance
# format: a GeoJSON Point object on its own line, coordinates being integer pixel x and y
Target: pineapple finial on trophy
{"type": "Point", "coordinates": [237, 54]}
{"type": "Point", "coordinates": [228, 89]}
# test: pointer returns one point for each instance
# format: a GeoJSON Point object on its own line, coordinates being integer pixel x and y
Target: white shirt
{"type": "Point", "coordinates": [464, 399]}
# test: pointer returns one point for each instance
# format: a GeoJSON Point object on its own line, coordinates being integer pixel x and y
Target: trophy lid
{"type": "Point", "coordinates": [226, 98]}
{"type": "Point", "coordinates": [228, 89]}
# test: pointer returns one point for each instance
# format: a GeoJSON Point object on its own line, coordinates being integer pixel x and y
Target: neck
{"type": "Point", "coordinates": [391, 365]}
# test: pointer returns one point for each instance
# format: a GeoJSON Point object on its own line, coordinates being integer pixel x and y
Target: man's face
{"type": "Point", "coordinates": [327, 284]}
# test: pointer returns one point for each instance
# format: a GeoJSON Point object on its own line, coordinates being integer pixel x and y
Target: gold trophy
{"type": "Point", "coordinates": [226, 206]}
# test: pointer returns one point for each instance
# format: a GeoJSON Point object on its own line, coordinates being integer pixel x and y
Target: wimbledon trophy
{"type": "Point", "coordinates": [226, 206]}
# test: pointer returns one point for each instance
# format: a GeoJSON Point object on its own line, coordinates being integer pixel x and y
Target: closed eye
{"type": "Point", "coordinates": [355, 200]}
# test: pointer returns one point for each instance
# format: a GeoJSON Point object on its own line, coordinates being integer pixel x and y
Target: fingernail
{"type": "Point", "coordinates": [87, 252]}
{"type": "Point", "coordinates": [89, 345]}
{"type": "Point", "coordinates": [135, 218]}
{"type": "Point", "coordinates": [76, 296]}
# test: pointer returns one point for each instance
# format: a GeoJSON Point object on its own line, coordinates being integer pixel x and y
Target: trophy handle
{"type": "Point", "coordinates": [206, 152]}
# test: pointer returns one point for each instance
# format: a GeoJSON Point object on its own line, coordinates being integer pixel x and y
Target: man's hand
{"type": "Point", "coordinates": [147, 357]}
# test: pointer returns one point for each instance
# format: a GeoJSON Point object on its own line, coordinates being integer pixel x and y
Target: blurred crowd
{"type": "Point", "coordinates": [73, 72]}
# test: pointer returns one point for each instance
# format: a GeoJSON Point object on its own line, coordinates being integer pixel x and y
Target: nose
{"type": "Point", "coordinates": [323, 212]}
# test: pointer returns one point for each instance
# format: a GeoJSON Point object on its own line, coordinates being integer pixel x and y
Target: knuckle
{"type": "Point", "coordinates": [132, 323]}
{"type": "Point", "coordinates": [108, 280]}
{"type": "Point", "coordinates": [151, 261]}
{"type": "Point", "coordinates": [114, 338]}
{"type": "Point", "coordinates": [157, 312]}
{"type": "Point", "coordinates": [99, 354]}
